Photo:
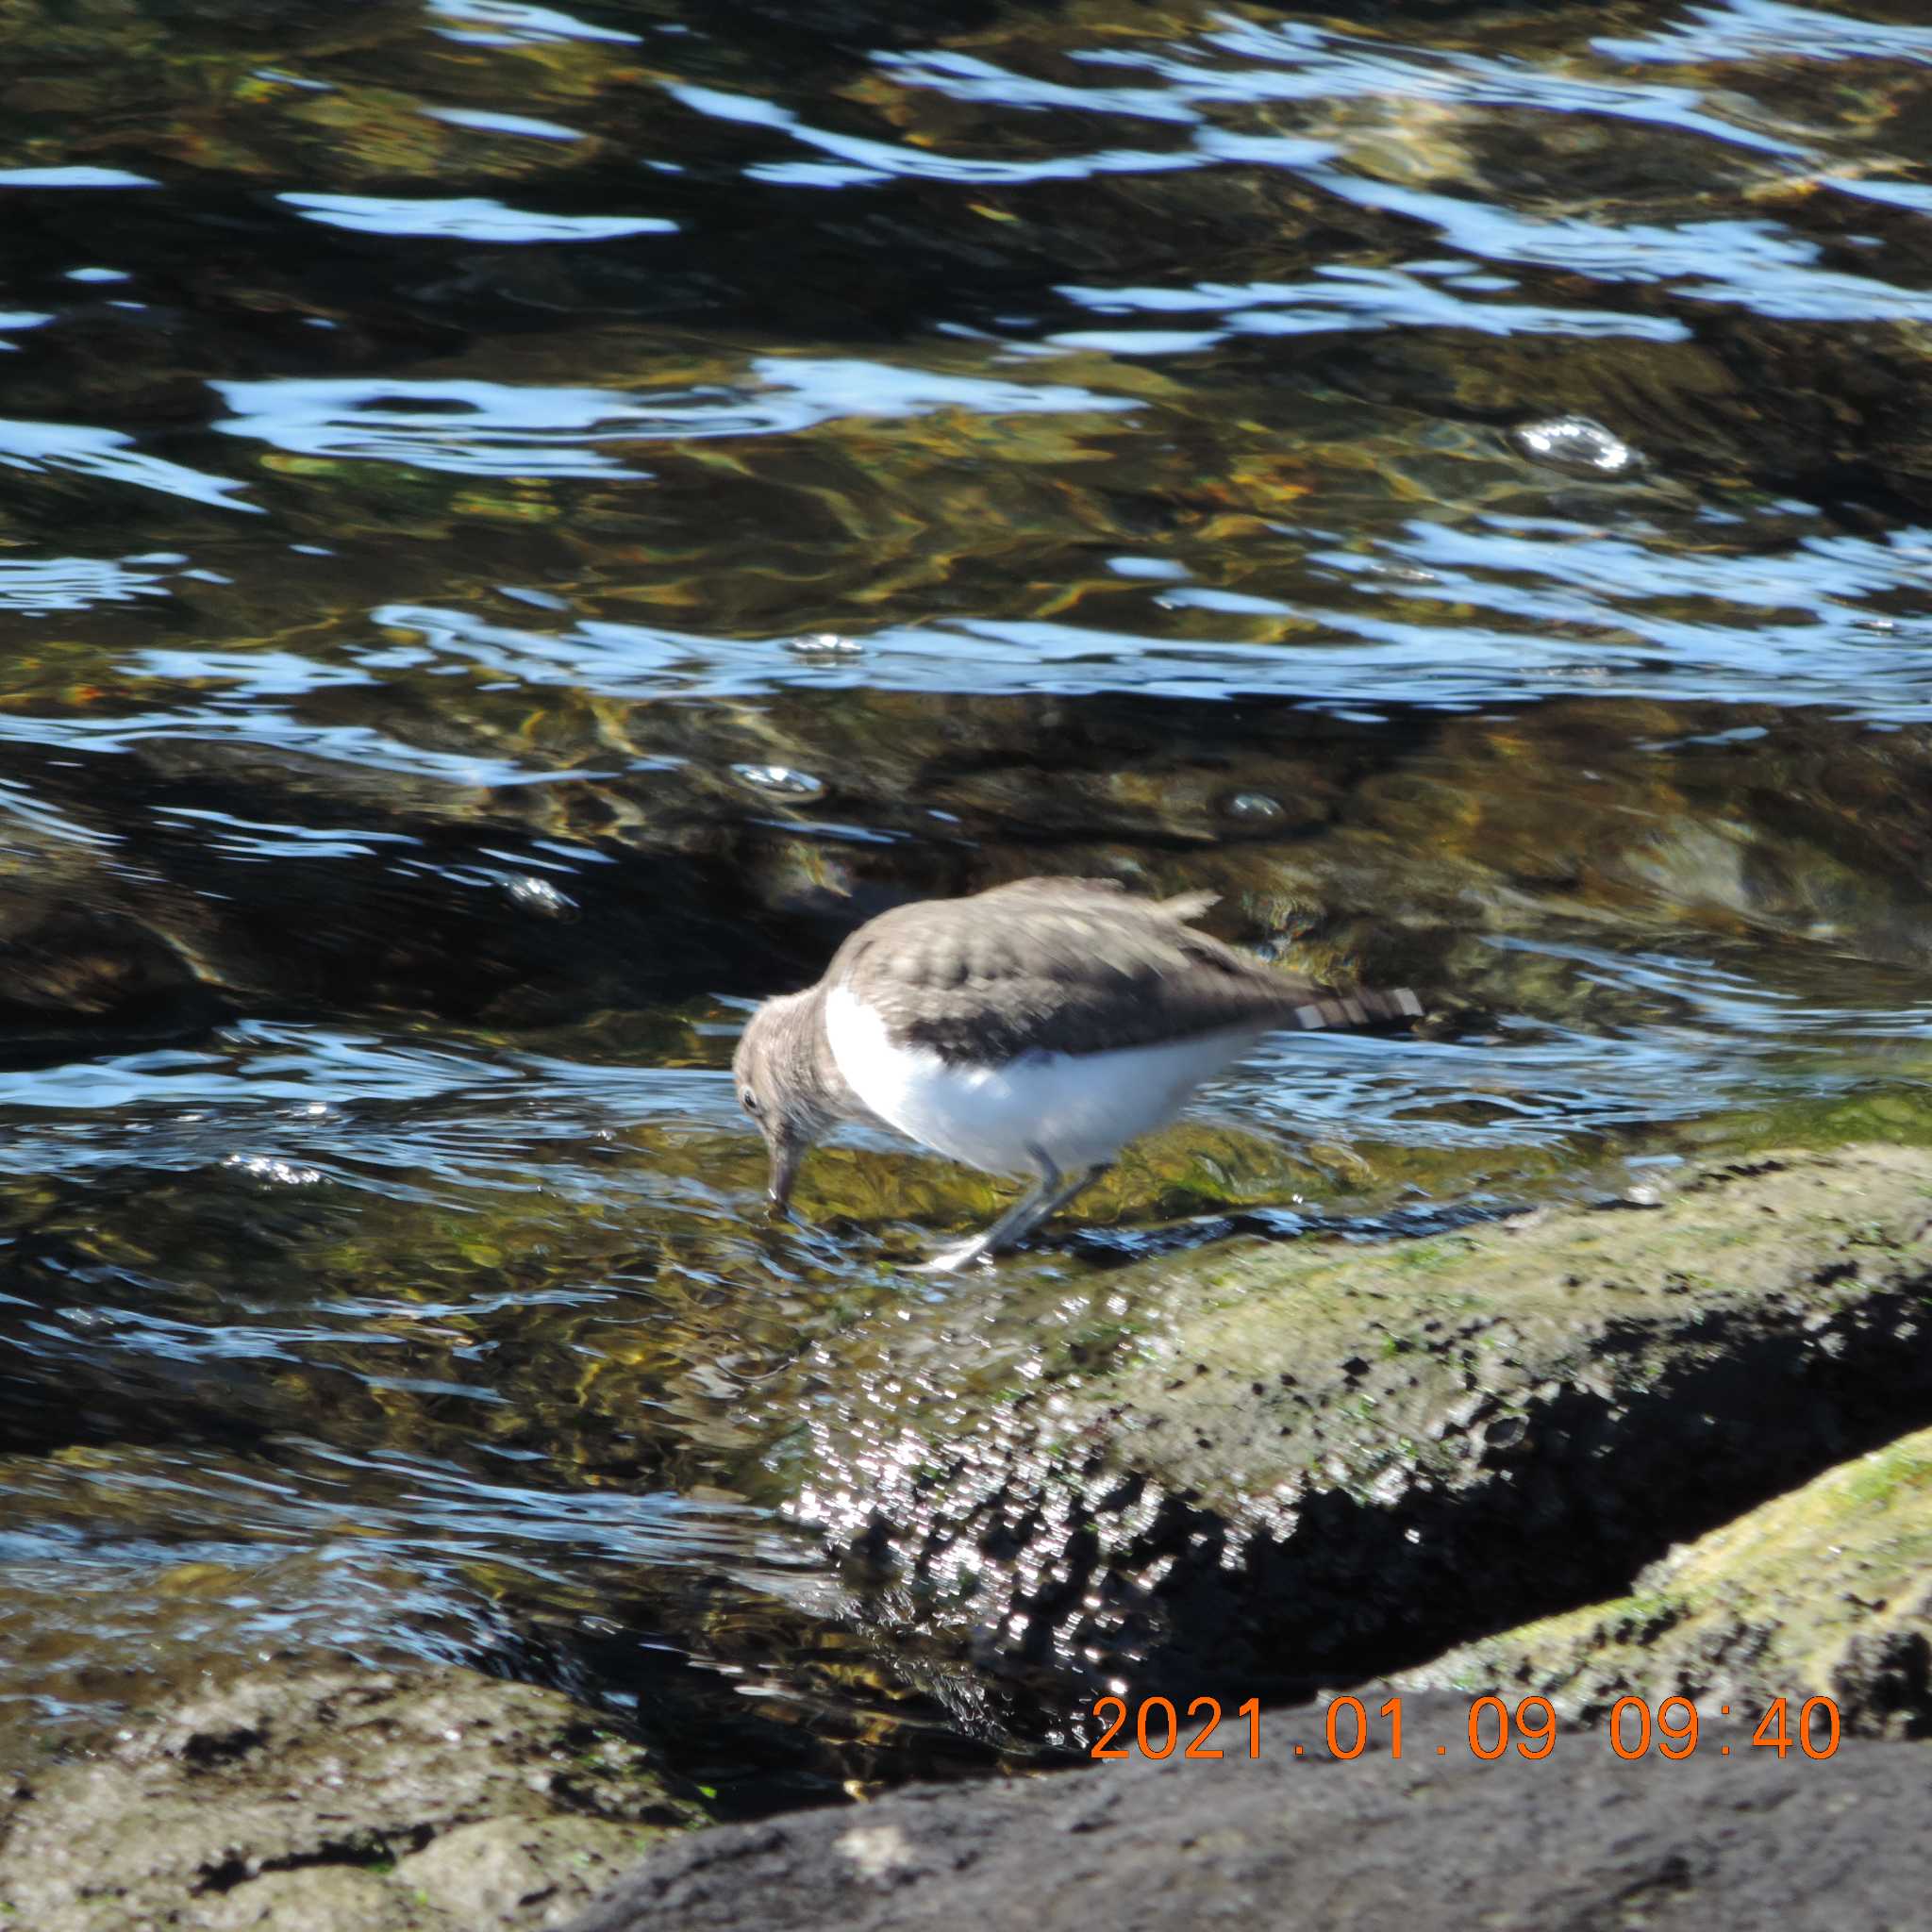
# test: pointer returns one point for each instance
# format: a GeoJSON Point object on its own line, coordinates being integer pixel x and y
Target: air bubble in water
{"type": "Point", "coordinates": [780, 781]}
{"type": "Point", "coordinates": [1575, 443]}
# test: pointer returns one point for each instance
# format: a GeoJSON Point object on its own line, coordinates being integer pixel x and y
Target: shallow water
{"type": "Point", "coordinates": [519, 527]}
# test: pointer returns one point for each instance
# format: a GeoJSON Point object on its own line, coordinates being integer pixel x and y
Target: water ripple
{"type": "Point", "coordinates": [470, 218]}
{"type": "Point", "coordinates": [41, 448]}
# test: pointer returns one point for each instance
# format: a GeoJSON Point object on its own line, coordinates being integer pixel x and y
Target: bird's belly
{"type": "Point", "coordinates": [1079, 1109]}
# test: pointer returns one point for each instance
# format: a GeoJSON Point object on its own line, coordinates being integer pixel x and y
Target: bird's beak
{"type": "Point", "coordinates": [787, 1158]}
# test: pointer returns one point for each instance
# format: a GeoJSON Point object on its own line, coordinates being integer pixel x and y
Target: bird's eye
{"type": "Point", "coordinates": [748, 1100]}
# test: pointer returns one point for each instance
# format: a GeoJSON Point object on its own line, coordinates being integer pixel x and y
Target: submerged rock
{"type": "Point", "coordinates": [79, 977]}
{"type": "Point", "coordinates": [211, 879]}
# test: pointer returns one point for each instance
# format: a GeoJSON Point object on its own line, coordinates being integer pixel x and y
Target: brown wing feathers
{"type": "Point", "coordinates": [1088, 967]}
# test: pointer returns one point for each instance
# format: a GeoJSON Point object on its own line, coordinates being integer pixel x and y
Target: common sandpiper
{"type": "Point", "coordinates": [1032, 1029]}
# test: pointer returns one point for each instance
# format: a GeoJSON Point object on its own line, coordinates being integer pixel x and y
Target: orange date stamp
{"type": "Point", "coordinates": [1156, 1727]}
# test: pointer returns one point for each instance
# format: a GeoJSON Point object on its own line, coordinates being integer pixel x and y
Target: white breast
{"type": "Point", "coordinates": [1080, 1109]}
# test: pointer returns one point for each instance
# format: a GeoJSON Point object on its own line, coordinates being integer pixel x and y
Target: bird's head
{"type": "Point", "coordinates": [778, 1072]}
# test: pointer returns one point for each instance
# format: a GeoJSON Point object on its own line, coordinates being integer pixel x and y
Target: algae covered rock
{"type": "Point", "coordinates": [302, 1801]}
{"type": "Point", "coordinates": [1265, 1466]}
{"type": "Point", "coordinates": [1825, 1592]}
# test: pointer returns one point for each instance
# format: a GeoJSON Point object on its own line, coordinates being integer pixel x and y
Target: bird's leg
{"type": "Point", "coordinates": [1052, 1194]}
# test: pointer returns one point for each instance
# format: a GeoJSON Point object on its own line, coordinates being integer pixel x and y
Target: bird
{"type": "Point", "coordinates": [1034, 1028]}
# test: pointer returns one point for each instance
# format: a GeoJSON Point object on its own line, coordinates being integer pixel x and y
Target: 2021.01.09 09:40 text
{"type": "Point", "coordinates": [1153, 1728]}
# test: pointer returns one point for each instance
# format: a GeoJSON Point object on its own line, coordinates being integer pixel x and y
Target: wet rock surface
{"type": "Point", "coordinates": [1243, 1468]}
{"type": "Point", "coordinates": [308, 1801]}
{"type": "Point", "coordinates": [1579, 1839]}
{"type": "Point", "coordinates": [1263, 1466]}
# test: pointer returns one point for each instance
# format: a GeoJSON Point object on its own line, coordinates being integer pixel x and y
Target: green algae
{"type": "Point", "coordinates": [1819, 1593]}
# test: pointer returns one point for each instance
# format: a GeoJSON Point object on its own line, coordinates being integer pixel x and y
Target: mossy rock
{"type": "Point", "coordinates": [1825, 1592]}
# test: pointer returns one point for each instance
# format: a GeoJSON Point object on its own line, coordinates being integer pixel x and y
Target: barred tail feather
{"type": "Point", "coordinates": [1358, 1010]}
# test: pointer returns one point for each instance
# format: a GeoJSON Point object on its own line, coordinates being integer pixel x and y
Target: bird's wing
{"type": "Point", "coordinates": [1084, 968]}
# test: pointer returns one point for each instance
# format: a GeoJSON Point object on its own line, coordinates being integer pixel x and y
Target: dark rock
{"type": "Point", "coordinates": [1579, 1839]}
{"type": "Point", "coordinates": [74, 979]}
